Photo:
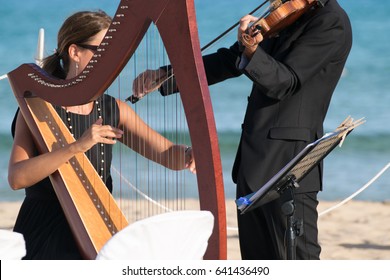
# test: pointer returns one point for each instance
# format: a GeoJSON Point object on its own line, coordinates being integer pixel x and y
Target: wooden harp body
{"type": "Point", "coordinates": [89, 207]}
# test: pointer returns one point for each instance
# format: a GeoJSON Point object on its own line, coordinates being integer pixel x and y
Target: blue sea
{"type": "Point", "coordinates": [363, 91]}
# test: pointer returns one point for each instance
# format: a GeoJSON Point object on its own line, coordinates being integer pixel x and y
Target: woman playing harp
{"type": "Point", "coordinates": [95, 127]}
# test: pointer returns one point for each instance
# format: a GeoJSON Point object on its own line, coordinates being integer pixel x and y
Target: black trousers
{"type": "Point", "coordinates": [262, 230]}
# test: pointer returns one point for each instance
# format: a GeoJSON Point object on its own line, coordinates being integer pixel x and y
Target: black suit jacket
{"type": "Point", "coordinates": [294, 76]}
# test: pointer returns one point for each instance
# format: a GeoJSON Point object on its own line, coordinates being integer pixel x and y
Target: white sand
{"type": "Point", "coordinates": [356, 231]}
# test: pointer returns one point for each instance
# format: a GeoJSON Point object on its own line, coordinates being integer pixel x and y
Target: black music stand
{"type": "Point", "coordinates": [287, 179]}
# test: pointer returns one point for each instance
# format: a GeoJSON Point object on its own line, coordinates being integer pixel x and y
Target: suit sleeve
{"type": "Point", "coordinates": [219, 66]}
{"type": "Point", "coordinates": [320, 43]}
{"type": "Point", "coordinates": [222, 65]}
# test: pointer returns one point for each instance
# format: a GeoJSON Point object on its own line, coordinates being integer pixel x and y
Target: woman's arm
{"type": "Point", "coordinates": [149, 143]}
{"type": "Point", "coordinates": [26, 167]}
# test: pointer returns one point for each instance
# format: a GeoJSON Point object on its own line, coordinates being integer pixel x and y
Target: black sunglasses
{"type": "Point", "coordinates": [88, 47]}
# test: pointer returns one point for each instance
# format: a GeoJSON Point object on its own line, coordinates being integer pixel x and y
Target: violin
{"type": "Point", "coordinates": [281, 14]}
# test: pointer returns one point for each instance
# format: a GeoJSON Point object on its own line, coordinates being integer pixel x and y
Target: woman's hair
{"type": "Point", "coordinates": [77, 29]}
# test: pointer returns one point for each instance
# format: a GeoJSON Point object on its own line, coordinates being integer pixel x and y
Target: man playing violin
{"type": "Point", "coordinates": [294, 74]}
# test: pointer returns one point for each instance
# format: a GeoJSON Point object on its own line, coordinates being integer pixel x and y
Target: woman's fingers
{"type": "Point", "coordinates": [98, 133]}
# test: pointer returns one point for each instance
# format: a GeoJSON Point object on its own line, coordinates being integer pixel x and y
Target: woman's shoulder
{"type": "Point", "coordinates": [108, 102]}
{"type": "Point", "coordinates": [107, 98]}
{"type": "Point", "coordinates": [110, 108]}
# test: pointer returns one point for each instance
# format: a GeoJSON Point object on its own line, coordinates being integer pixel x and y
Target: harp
{"type": "Point", "coordinates": [92, 212]}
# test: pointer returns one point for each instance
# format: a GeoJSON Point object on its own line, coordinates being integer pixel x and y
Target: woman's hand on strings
{"type": "Point", "coordinates": [98, 133]}
{"type": "Point", "coordinates": [148, 81]}
{"type": "Point", "coordinates": [248, 35]}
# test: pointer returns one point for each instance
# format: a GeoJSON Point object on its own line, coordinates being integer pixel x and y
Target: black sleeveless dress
{"type": "Point", "coordinates": [41, 219]}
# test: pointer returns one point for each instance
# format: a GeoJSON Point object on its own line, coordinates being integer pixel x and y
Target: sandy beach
{"type": "Point", "coordinates": [358, 230]}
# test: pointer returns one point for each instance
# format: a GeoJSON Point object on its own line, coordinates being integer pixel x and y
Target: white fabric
{"type": "Point", "coordinates": [12, 245]}
{"type": "Point", "coordinates": [174, 235]}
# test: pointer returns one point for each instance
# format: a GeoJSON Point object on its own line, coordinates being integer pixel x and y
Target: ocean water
{"type": "Point", "coordinates": [363, 91]}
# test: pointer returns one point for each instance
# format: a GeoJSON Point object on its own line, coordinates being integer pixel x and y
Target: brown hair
{"type": "Point", "coordinates": [76, 29]}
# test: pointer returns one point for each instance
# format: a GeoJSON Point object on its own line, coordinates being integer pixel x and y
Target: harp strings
{"type": "Point", "coordinates": [142, 187]}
